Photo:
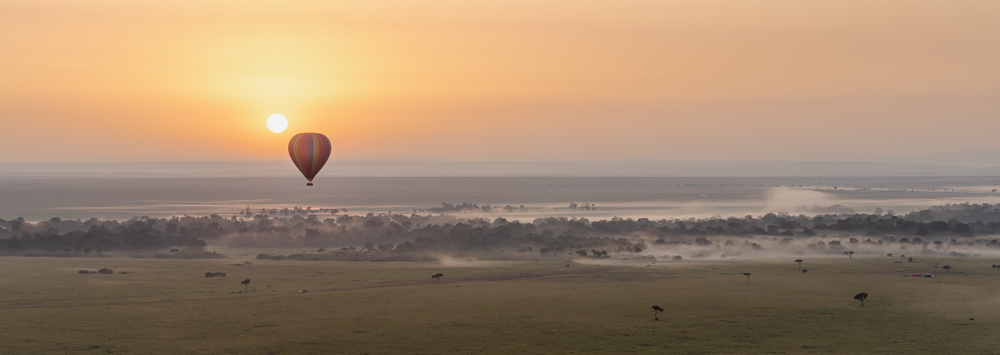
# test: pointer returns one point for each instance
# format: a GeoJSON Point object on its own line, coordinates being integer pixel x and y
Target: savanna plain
{"type": "Point", "coordinates": [522, 306]}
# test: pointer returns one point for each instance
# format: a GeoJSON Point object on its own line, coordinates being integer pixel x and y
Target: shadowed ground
{"type": "Point", "coordinates": [168, 306]}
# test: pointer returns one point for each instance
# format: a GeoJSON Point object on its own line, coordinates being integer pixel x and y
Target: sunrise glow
{"type": "Point", "coordinates": [277, 123]}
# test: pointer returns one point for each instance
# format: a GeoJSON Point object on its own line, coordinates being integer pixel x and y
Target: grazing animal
{"type": "Point", "coordinates": [804, 271]}
{"type": "Point", "coordinates": [656, 309]}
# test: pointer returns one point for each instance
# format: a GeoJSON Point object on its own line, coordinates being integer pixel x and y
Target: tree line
{"type": "Point", "coordinates": [399, 233]}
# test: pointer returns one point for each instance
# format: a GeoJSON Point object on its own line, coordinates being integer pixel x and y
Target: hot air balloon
{"type": "Point", "coordinates": [309, 152]}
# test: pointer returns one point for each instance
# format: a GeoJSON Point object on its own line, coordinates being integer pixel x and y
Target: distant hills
{"type": "Point", "coordinates": [981, 163]}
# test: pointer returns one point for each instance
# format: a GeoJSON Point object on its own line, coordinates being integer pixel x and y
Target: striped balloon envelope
{"type": "Point", "coordinates": [309, 152]}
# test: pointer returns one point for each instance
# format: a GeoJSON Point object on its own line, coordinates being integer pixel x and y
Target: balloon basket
{"type": "Point", "coordinates": [309, 184]}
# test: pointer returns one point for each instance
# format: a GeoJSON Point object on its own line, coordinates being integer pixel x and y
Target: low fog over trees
{"type": "Point", "coordinates": [470, 207]}
{"type": "Point", "coordinates": [99, 236]}
{"type": "Point", "coordinates": [935, 230]}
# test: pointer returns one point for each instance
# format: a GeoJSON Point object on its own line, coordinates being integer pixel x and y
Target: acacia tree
{"type": "Point", "coordinates": [747, 274]}
{"type": "Point", "coordinates": [656, 309]}
{"type": "Point", "coordinates": [800, 263]}
{"type": "Point", "coordinates": [437, 276]}
{"type": "Point", "coordinates": [947, 268]}
{"type": "Point", "coordinates": [861, 297]}
{"type": "Point", "coordinates": [245, 283]}
{"type": "Point", "coordinates": [849, 253]}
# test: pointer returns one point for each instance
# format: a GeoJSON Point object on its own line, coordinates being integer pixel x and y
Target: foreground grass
{"type": "Point", "coordinates": [168, 306]}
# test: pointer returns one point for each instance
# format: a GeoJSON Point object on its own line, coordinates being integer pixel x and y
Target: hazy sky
{"type": "Point", "coordinates": [498, 80]}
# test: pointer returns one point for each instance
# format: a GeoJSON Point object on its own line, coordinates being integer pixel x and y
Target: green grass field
{"type": "Point", "coordinates": [543, 307]}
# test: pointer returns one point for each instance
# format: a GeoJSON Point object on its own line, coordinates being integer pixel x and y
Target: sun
{"type": "Point", "coordinates": [277, 123]}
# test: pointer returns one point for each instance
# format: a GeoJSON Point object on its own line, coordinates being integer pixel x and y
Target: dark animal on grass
{"type": "Point", "coordinates": [747, 274]}
{"type": "Point", "coordinates": [214, 274]}
{"type": "Point", "coordinates": [861, 297]}
{"type": "Point", "coordinates": [437, 276]}
{"type": "Point", "coordinates": [245, 283]}
{"type": "Point", "coordinates": [800, 263]}
{"type": "Point", "coordinates": [947, 268]}
{"type": "Point", "coordinates": [656, 309]}
{"type": "Point", "coordinates": [804, 271]}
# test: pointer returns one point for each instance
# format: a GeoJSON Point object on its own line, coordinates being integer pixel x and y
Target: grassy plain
{"type": "Point", "coordinates": [533, 307]}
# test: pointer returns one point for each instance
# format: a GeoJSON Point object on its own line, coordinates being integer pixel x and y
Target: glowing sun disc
{"type": "Point", "coordinates": [277, 123]}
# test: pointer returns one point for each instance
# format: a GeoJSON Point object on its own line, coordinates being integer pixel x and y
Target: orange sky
{"type": "Point", "coordinates": [498, 80]}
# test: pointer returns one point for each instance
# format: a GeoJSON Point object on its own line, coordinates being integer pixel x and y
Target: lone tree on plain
{"type": "Point", "coordinates": [656, 309]}
{"type": "Point", "coordinates": [747, 274]}
{"type": "Point", "coordinates": [245, 283]}
{"type": "Point", "coordinates": [947, 268]}
{"type": "Point", "coordinates": [849, 253]}
{"type": "Point", "coordinates": [437, 276]}
{"type": "Point", "coordinates": [861, 297]}
{"type": "Point", "coordinates": [800, 263]}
